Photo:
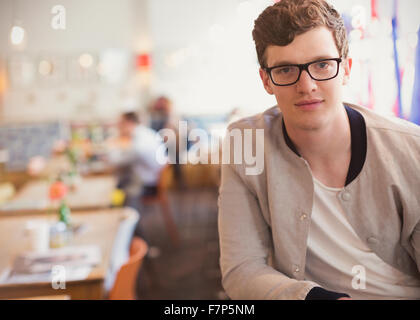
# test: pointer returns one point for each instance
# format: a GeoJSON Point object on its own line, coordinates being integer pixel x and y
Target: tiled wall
{"type": "Point", "coordinates": [24, 141]}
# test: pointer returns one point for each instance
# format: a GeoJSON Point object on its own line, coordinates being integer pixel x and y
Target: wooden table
{"type": "Point", "coordinates": [92, 193]}
{"type": "Point", "coordinates": [101, 228]}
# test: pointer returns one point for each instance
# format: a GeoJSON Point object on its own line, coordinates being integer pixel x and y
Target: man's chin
{"type": "Point", "coordinates": [312, 124]}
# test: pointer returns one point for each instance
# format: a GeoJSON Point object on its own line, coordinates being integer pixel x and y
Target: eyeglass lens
{"type": "Point", "coordinates": [320, 70]}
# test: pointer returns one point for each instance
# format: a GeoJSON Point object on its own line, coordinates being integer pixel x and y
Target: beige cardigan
{"type": "Point", "coordinates": [264, 219]}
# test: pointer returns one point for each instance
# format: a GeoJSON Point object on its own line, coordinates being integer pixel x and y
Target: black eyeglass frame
{"type": "Point", "coordinates": [301, 68]}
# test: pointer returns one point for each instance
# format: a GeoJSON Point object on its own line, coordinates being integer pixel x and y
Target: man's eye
{"type": "Point", "coordinates": [322, 65]}
{"type": "Point", "coordinates": [284, 70]}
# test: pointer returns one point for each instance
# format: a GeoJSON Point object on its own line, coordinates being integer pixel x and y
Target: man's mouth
{"type": "Point", "coordinates": [309, 104]}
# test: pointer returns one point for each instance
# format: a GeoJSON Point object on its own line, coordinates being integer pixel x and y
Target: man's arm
{"type": "Point", "coordinates": [142, 150]}
{"type": "Point", "coordinates": [121, 158]}
{"type": "Point", "coordinates": [246, 243]}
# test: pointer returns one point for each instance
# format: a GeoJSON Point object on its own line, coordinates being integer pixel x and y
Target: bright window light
{"type": "Point", "coordinates": [17, 35]}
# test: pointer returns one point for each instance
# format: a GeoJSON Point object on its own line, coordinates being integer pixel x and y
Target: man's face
{"type": "Point", "coordinates": [126, 128]}
{"type": "Point", "coordinates": [294, 101]}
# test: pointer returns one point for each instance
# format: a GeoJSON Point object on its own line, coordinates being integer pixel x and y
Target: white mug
{"type": "Point", "coordinates": [37, 234]}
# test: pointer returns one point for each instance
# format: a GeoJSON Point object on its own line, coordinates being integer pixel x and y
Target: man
{"type": "Point", "coordinates": [137, 167]}
{"type": "Point", "coordinates": [335, 213]}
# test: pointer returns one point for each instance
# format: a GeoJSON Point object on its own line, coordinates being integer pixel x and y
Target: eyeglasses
{"type": "Point", "coordinates": [319, 70]}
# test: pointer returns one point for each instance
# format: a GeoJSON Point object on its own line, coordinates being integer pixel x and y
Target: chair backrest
{"type": "Point", "coordinates": [121, 248]}
{"type": "Point", "coordinates": [53, 297]}
{"type": "Point", "coordinates": [125, 283]}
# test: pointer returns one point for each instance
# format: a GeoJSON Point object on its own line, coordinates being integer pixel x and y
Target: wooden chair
{"type": "Point", "coordinates": [54, 297]}
{"type": "Point", "coordinates": [121, 247]}
{"type": "Point", "coordinates": [124, 287]}
{"type": "Point", "coordinates": [161, 198]}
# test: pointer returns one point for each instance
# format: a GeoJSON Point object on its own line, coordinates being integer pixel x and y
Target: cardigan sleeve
{"type": "Point", "coordinates": [415, 242]}
{"type": "Point", "coordinates": [246, 244]}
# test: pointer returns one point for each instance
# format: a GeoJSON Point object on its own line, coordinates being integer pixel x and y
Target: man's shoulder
{"type": "Point", "coordinates": [262, 120]}
{"type": "Point", "coordinates": [387, 124]}
{"type": "Point", "coordinates": [144, 130]}
{"type": "Point", "coordinates": [146, 136]}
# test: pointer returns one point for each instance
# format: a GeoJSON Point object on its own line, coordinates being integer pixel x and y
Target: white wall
{"type": "Point", "coordinates": [92, 26]}
{"type": "Point", "coordinates": [204, 55]}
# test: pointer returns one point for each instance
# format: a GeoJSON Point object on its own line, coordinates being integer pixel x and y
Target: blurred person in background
{"type": "Point", "coordinates": [335, 213]}
{"type": "Point", "coordinates": [135, 159]}
{"type": "Point", "coordinates": [162, 116]}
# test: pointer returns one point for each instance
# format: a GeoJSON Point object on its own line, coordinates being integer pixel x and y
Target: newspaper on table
{"type": "Point", "coordinates": [72, 263]}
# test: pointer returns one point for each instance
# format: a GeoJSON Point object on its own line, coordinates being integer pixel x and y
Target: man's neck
{"type": "Point", "coordinates": [323, 142]}
{"type": "Point", "coordinates": [327, 149]}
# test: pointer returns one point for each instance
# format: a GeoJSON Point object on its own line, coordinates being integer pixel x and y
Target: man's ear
{"type": "Point", "coordinates": [348, 62]}
{"type": "Point", "coordinates": [265, 78]}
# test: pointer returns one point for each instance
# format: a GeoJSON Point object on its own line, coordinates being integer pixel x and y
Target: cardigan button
{"type": "Point", "coordinates": [346, 196]}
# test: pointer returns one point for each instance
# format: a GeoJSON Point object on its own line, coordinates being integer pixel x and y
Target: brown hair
{"type": "Point", "coordinates": [280, 23]}
{"type": "Point", "coordinates": [131, 116]}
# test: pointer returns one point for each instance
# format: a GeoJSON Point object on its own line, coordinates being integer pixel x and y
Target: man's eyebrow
{"type": "Point", "coordinates": [284, 63]}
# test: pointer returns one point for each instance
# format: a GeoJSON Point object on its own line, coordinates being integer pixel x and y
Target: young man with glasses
{"type": "Point", "coordinates": [336, 212]}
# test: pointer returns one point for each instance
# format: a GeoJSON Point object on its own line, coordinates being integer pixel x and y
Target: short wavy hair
{"type": "Point", "coordinates": [131, 117]}
{"type": "Point", "coordinates": [280, 23]}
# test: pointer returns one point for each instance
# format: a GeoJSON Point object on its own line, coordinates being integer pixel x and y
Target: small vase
{"type": "Point", "coordinates": [60, 235]}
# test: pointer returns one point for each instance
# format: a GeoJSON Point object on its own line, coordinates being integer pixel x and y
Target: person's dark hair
{"type": "Point", "coordinates": [280, 23]}
{"type": "Point", "coordinates": [131, 116]}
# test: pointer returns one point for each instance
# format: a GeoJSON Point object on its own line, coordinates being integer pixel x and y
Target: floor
{"type": "Point", "coordinates": [190, 271]}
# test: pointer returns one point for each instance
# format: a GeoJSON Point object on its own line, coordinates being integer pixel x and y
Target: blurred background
{"type": "Point", "coordinates": [70, 69]}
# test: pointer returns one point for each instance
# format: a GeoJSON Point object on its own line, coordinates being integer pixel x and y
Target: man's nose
{"type": "Point", "coordinates": [306, 83]}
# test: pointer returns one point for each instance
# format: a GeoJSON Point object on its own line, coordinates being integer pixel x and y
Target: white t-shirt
{"type": "Point", "coordinates": [142, 155]}
{"type": "Point", "coordinates": [339, 261]}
